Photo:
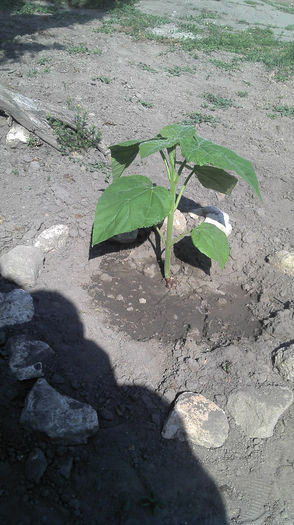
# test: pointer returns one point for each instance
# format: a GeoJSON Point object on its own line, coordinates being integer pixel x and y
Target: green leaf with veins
{"type": "Point", "coordinates": [122, 155]}
{"type": "Point", "coordinates": [202, 152]}
{"type": "Point", "coordinates": [154, 145]}
{"type": "Point", "coordinates": [211, 241]}
{"type": "Point", "coordinates": [129, 203]}
{"type": "Point", "coordinates": [216, 179]}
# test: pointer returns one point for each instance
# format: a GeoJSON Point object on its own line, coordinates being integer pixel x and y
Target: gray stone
{"type": "Point", "coordinates": [179, 224]}
{"type": "Point", "coordinates": [53, 238]}
{"type": "Point", "coordinates": [36, 465]}
{"type": "Point", "coordinates": [66, 467]}
{"type": "Point", "coordinates": [27, 356]}
{"type": "Point", "coordinates": [281, 326]}
{"type": "Point", "coordinates": [284, 362]}
{"type": "Point", "coordinates": [16, 307]}
{"type": "Point", "coordinates": [258, 411]}
{"type": "Point", "coordinates": [198, 420]}
{"type": "Point", "coordinates": [17, 134]}
{"type": "Point", "coordinates": [22, 265]}
{"type": "Point", "coordinates": [283, 261]}
{"type": "Point", "coordinates": [59, 416]}
{"type": "Point", "coordinates": [125, 238]}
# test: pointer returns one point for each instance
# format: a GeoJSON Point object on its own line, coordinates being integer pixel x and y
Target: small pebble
{"type": "Point", "coordinates": [142, 300]}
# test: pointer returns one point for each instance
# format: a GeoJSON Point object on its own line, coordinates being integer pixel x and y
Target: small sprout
{"type": "Point", "coordinates": [242, 94]}
{"type": "Point", "coordinates": [146, 104]}
{"type": "Point", "coordinates": [226, 366]}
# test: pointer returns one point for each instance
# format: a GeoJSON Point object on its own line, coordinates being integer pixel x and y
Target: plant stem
{"type": "Point", "coordinates": [170, 220]}
{"type": "Point", "coordinates": [160, 235]}
{"type": "Point", "coordinates": [183, 188]}
{"type": "Point", "coordinates": [166, 165]}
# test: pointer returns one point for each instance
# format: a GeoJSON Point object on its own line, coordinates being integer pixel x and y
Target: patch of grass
{"type": "Point", "coordinates": [146, 104]}
{"type": "Point", "coordinates": [290, 27]}
{"type": "Point", "coordinates": [227, 66]}
{"type": "Point", "coordinates": [280, 7]}
{"type": "Point", "coordinates": [218, 102]}
{"type": "Point", "coordinates": [32, 141]}
{"type": "Point", "coordinates": [104, 80]}
{"type": "Point", "coordinates": [132, 22]}
{"type": "Point", "coordinates": [100, 166]}
{"type": "Point", "coordinates": [81, 139]}
{"type": "Point", "coordinates": [82, 49]}
{"type": "Point", "coordinates": [146, 67]}
{"type": "Point", "coordinates": [176, 71]}
{"type": "Point", "coordinates": [242, 94]}
{"type": "Point", "coordinates": [43, 61]}
{"type": "Point", "coordinates": [251, 2]}
{"type": "Point", "coordinates": [284, 111]}
{"type": "Point", "coordinates": [199, 118]}
{"type": "Point", "coordinates": [29, 8]}
{"type": "Point", "coordinates": [32, 73]}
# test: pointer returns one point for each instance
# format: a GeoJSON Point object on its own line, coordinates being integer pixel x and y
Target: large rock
{"type": "Point", "coordinates": [258, 411]}
{"type": "Point", "coordinates": [53, 238]}
{"type": "Point", "coordinates": [60, 417]}
{"type": "Point", "coordinates": [16, 307]}
{"type": "Point", "coordinates": [22, 265]}
{"type": "Point", "coordinates": [281, 326]}
{"type": "Point", "coordinates": [198, 420]}
{"type": "Point", "coordinates": [17, 134]}
{"type": "Point", "coordinates": [36, 465]}
{"type": "Point", "coordinates": [27, 356]}
{"type": "Point", "coordinates": [283, 261]}
{"type": "Point", "coordinates": [179, 223]}
{"type": "Point", "coordinates": [284, 362]}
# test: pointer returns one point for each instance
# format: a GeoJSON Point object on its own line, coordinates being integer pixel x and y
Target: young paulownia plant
{"type": "Point", "coordinates": [135, 202]}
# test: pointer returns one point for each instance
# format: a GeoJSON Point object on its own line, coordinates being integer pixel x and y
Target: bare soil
{"type": "Point", "coordinates": [125, 343]}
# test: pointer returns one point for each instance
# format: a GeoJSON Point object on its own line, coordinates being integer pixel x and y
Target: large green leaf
{"type": "Point", "coordinates": [211, 241]}
{"type": "Point", "coordinates": [203, 152]}
{"type": "Point", "coordinates": [129, 203]}
{"type": "Point", "coordinates": [177, 132]}
{"type": "Point", "coordinates": [122, 155]}
{"type": "Point", "coordinates": [216, 179]}
{"type": "Point", "coordinates": [154, 145]}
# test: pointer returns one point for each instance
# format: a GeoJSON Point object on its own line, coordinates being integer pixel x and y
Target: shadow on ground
{"type": "Point", "coordinates": [127, 474]}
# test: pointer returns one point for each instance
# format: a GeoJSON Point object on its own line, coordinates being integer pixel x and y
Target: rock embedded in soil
{"type": "Point", "coordinates": [53, 238]}
{"type": "Point", "coordinates": [27, 357]}
{"type": "Point", "coordinates": [22, 265]}
{"type": "Point", "coordinates": [36, 465]}
{"type": "Point", "coordinates": [17, 134]}
{"type": "Point", "coordinates": [284, 362]}
{"type": "Point", "coordinates": [283, 261]}
{"type": "Point", "coordinates": [281, 326]}
{"type": "Point", "coordinates": [179, 224]}
{"type": "Point", "coordinates": [258, 411]}
{"type": "Point", "coordinates": [198, 420]}
{"type": "Point", "coordinates": [16, 307]}
{"type": "Point", "coordinates": [213, 215]}
{"type": "Point", "coordinates": [58, 416]}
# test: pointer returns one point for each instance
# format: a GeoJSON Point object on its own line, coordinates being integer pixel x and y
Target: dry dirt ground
{"type": "Point", "coordinates": [210, 335]}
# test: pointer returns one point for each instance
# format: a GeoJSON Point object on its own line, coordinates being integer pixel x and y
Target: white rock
{"type": "Point", "coordinates": [53, 238]}
{"type": "Point", "coordinates": [27, 356]}
{"type": "Point", "coordinates": [283, 261]}
{"type": "Point", "coordinates": [179, 224]}
{"type": "Point", "coordinates": [16, 134]}
{"type": "Point", "coordinates": [60, 417]}
{"type": "Point", "coordinates": [198, 420]}
{"type": "Point", "coordinates": [16, 307]}
{"type": "Point", "coordinates": [125, 238]}
{"type": "Point", "coordinates": [284, 362]}
{"type": "Point", "coordinates": [22, 265]}
{"type": "Point", "coordinates": [258, 411]}
{"type": "Point", "coordinates": [213, 215]}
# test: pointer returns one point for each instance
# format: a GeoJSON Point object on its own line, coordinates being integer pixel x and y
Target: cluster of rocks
{"type": "Point", "coordinates": [58, 416]}
{"type": "Point", "coordinates": [23, 264]}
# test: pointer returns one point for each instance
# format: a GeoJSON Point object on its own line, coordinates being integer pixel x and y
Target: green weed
{"type": "Point", "coordinates": [218, 102]}
{"type": "Point", "coordinates": [242, 94]}
{"type": "Point", "coordinates": [82, 49]}
{"type": "Point", "coordinates": [176, 71]}
{"type": "Point", "coordinates": [199, 118]}
{"type": "Point", "coordinates": [29, 8]}
{"type": "Point", "coordinates": [227, 66]}
{"type": "Point", "coordinates": [290, 27]}
{"type": "Point", "coordinates": [104, 80]}
{"type": "Point", "coordinates": [43, 61]}
{"type": "Point", "coordinates": [284, 111]}
{"type": "Point", "coordinates": [81, 139]}
{"type": "Point", "coordinates": [146, 104]}
{"type": "Point", "coordinates": [32, 73]}
{"type": "Point", "coordinates": [146, 67]}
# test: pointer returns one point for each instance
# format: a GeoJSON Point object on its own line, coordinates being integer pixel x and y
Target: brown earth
{"type": "Point", "coordinates": [208, 335]}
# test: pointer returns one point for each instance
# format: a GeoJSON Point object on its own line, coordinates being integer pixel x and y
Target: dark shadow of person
{"type": "Point", "coordinates": [127, 473]}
